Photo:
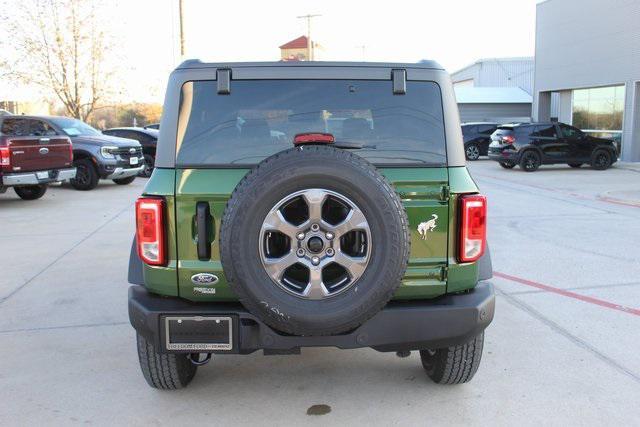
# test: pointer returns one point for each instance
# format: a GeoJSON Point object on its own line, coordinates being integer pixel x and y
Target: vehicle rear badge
{"type": "Point", "coordinates": [204, 279]}
{"type": "Point", "coordinates": [44, 150]}
{"type": "Point", "coordinates": [426, 226]}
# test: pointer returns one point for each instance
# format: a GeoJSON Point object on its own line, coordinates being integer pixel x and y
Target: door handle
{"type": "Point", "coordinates": [203, 221]}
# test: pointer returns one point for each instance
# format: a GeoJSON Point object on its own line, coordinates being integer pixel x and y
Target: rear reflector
{"type": "Point", "coordinates": [150, 230]}
{"type": "Point", "coordinates": [473, 227]}
{"type": "Point", "coordinates": [313, 137]}
{"type": "Point", "coordinates": [5, 157]}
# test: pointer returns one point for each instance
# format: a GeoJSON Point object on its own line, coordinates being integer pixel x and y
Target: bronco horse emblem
{"type": "Point", "coordinates": [426, 226]}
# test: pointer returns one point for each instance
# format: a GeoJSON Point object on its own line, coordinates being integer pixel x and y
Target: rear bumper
{"type": "Point", "coordinates": [415, 325]}
{"type": "Point", "coordinates": [504, 156]}
{"type": "Point", "coordinates": [31, 178]}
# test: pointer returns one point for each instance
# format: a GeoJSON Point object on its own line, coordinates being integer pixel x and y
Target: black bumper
{"type": "Point", "coordinates": [505, 156]}
{"type": "Point", "coordinates": [415, 325]}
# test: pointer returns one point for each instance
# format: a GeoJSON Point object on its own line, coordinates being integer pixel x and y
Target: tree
{"type": "Point", "coordinates": [59, 45]}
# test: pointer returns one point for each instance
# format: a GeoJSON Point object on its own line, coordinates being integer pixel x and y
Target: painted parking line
{"type": "Point", "coordinates": [563, 292]}
{"type": "Point", "coordinates": [597, 198]}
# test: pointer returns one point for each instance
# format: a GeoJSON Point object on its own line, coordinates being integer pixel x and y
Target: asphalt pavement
{"type": "Point", "coordinates": [562, 350]}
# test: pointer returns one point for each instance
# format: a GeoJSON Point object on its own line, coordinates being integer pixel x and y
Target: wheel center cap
{"type": "Point", "coordinates": [315, 244]}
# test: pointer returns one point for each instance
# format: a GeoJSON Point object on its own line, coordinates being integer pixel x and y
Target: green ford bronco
{"type": "Point", "coordinates": [304, 205]}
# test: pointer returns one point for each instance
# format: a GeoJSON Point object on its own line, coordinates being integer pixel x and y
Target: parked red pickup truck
{"type": "Point", "coordinates": [32, 156]}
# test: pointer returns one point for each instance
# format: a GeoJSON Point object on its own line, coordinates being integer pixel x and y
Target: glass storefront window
{"type": "Point", "coordinates": [598, 109]}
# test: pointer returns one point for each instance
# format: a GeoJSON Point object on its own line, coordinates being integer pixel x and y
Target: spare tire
{"type": "Point", "coordinates": [314, 241]}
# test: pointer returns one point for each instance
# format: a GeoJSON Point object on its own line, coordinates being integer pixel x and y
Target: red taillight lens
{"type": "Point", "coordinates": [509, 139]}
{"type": "Point", "coordinates": [5, 157]}
{"type": "Point", "coordinates": [473, 227]}
{"type": "Point", "coordinates": [150, 232]}
{"type": "Point", "coordinates": [313, 137]}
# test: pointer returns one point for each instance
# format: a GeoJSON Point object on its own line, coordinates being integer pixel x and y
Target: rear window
{"type": "Point", "coordinates": [261, 117]}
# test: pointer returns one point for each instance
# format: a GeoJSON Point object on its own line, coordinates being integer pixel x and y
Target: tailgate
{"type": "Point", "coordinates": [34, 153]}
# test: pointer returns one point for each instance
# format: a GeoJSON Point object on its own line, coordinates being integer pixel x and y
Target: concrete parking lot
{"type": "Point", "coordinates": [563, 348]}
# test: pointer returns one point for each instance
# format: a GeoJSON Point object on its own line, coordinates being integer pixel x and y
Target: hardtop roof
{"type": "Point", "coordinates": [198, 64]}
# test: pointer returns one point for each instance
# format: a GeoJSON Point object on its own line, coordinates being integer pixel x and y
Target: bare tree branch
{"type": "Point", "coordinates": [59, 46]}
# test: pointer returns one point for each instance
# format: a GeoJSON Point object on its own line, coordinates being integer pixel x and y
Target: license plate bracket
{"type": "Point", "coordinates": [199, 333]}
{"type": "Point", "coordinates": [133, 160]}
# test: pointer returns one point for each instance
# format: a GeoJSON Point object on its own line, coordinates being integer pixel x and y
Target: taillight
{"type": "Point", "coordinates": [150, 230]}
{"type": "Point", "coordinates": [473, 227]}
{"type": "Point", "coordinates": [5, 157]}
{"type": "Point", "coordinates": [508, 139]}
{"type": "Point", "coordinates": [313, 138]}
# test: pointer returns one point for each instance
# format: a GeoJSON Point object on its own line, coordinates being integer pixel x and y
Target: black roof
{"type": "Point", "coordinates": [424, 64]}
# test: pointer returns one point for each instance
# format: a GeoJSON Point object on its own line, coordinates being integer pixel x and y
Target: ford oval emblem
{"type": "Point", "coordinates": [44, 150]}
{"type": "Point", "coordinates": [204, 279]}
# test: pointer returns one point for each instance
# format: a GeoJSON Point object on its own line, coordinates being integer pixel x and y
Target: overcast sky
{"type": "Point", "coordinates": [452, 32]}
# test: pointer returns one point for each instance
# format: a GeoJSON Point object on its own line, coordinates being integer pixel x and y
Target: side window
{"type": "Point", "coordinates": [40, 128]}
{"type": "Point", "coordinates": [110, 132]}
{"type": "Point", "coordinates": [468, 130]}
{"type": "Point", "coordinates": [570, 132]}
{"type": "Point", "coordinates": [546, 131]}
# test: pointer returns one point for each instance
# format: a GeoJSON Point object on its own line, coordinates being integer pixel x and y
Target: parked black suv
{"type": "Point", "coordinates": [530, 145]}
{"type": "Point", "coordinates": [477, 137]}
{"type": "Point", "coordinates": [147, 137]}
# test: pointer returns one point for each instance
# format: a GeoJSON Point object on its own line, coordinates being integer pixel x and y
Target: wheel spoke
{"type": "Point", "coordinates": [354, 265]}
{"type": "Point", "coordinates": [355, 220]}
{"type": "Point", "coordinates": [275, 267]}
{"type": "Point", "coordinates": [275, 221]}
{"type": "Point", "coordinates": [314, 199]}
{"type": "Point", "coordinates": [315, 289]}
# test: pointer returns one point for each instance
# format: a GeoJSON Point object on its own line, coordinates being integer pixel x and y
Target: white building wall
{"type": "Point", "coordinates": [499, 72]}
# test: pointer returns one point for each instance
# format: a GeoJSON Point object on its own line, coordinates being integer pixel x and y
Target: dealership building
{"type": "Point", "coordinates": [495, 90]}
{"type": "Point", "coordinates": [587, 68]}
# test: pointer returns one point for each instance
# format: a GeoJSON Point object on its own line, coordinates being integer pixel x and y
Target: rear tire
{"type": "Point", "coordinates": [601, 160]}
{"type": "Point", "coordinates": [125, 181]}
{"type": "Point", "coordinates": [453, 365]}
{"type": "Point", "coordinates": [86, 175]}
{"type": "Point", "coordinates": [30, 192]}
{"type": "Point", "coordinates": [575, 165]}
{"type": "Point", "coordinates": [507, 165]}
{"type": "Point", "coordinates": [166, 371]}
{"type": "Point", "coordinates": [472, 152]}
{"type": "Point", "coordinates": [530, 161]}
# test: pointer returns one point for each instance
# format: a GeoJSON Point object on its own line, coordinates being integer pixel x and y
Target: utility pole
{"type": "Point", "coordinates": [180, 9]}
{"type": "Point", "coordinates": [308, 17]}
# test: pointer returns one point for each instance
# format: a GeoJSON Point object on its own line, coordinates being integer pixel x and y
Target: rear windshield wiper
{"type": "Point", "coordinates": [353, 145]}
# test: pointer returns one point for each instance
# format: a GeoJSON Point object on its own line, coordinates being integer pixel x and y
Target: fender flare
{"type": "Point", "coordinates": [135, 276]}
{"type": "Point", "coordinates": [485, 267]}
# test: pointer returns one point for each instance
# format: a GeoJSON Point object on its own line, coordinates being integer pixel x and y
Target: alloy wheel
{"type": "Point", "coordinates": [473, 152]}
{"type": "Point", "coordinates": [315, 243]}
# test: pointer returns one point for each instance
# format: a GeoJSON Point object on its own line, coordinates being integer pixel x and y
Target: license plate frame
{"type": "Point", "coordinates": [42, 175]}
{"type": "Point", "coordinates": [133, 161]}
{"type": "Point", "coordinates": [218, 337]}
